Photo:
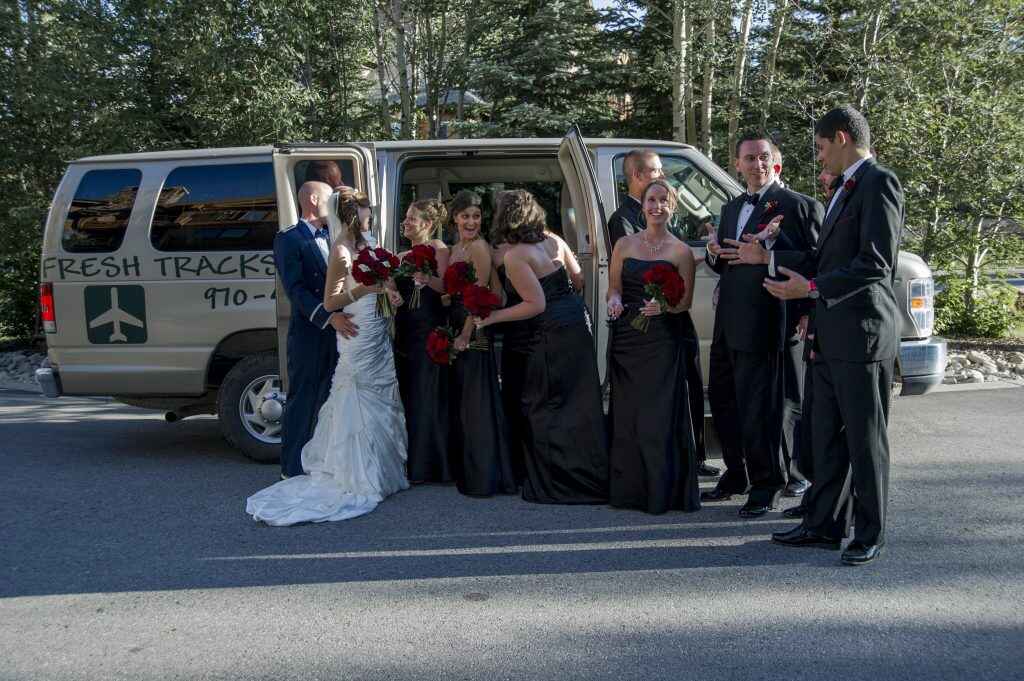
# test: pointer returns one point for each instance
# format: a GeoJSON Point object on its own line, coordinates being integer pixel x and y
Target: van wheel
{"type": "Point", "coordinates": [250, 406]}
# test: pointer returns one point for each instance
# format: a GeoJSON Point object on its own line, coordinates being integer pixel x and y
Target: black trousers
{"type": "Point", "coordinates": [725, 415]}
{"type": "Point", "coordinates": [794, 380]}
{"type": "Point", "coordinates": [850, 448]}
{"type": "Point", "coordinates": [747, 411]}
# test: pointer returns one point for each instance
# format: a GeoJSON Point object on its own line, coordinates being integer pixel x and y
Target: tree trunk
{"type": "Point", "coordinates": [679, 72]}
{"type": "Point", "coordinates": [384, 110]}
{"type": "Point", "coordinates": [691, 109]}
{"type": "Point", "coordinates": [739, 72]}
{"type": "Point", "coordinates": [871, 31]}
{"type": "Point", "coordinates": [402, 61]}
{"type": "Point", "coordinates": [708, 86]}
{"type": "Point", "coordinates": [781, 14]}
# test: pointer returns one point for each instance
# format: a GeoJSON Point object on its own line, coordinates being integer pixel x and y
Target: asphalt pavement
{"type": "Point", "coordinates": [126, 554]}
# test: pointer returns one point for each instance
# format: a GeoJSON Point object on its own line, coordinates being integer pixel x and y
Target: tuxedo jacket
{"type": "Point", "coordinates": [303, 271]}
{"type": "Point", "coordinates": [856, 316]}
{"type": "Point", "coordinates": [748, 318]}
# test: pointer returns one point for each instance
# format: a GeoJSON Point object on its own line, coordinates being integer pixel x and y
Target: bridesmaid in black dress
{"type": "Point", "coordinates": [423, 384]}
{"type": "Point", "coordinates": [653, 462]}
{"type": "Point", "coordinates": [559, 396]}
{"type": "Point", "coordinates": [511, 365]}
{"type": "Point", "coordinates": [479, 441]}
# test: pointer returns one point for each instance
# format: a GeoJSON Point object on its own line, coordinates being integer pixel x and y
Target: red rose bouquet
{"type": "Point", "coordinates": [663, 284]}
{"type": "Point", "coordinates": [422, 258]}
{"type": "Point", "coordinates": [441, 345]}
{"type": "Point", "coordinates": [480, 302]}
{"type": "Point", "coordinates": [374, 266]}
{"type": "Point", "coordinates": [458, 276]}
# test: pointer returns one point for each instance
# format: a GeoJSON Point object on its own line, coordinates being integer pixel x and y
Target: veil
{"type": "Point", "coordinates": [335, 226]}
{"type": "Point", "coordinates": [333, 222]}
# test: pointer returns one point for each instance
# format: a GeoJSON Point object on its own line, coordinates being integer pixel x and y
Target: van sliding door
{"type": "Point", "coordinates": [592, 241]}
{"type": "Point", "coordinates": [353, 165]}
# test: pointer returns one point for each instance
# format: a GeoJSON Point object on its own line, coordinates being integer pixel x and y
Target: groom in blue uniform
{"type": "Point", "coordinates": [301, 254]}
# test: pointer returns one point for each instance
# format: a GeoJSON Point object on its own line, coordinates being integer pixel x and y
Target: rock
{"type": "Point", "coordinates": [978, 357]}
{"type": "Point", "coordinates": [1015, 358]}
{"type": "Point", "coordinates": [950, 379]}
{"type": "Point", "coordinates": [975, 376]}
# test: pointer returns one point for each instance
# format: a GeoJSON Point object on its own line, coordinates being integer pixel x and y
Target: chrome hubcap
{"type": "Point", "coordinates": [261, 407]}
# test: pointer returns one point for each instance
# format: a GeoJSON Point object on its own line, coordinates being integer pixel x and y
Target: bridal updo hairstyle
{"type": "Point", "coordinates": [463, 200]}
{"type": "Point", "coordinates": [349, 203]}
{"type": "Point", "coordinates": [673, 198]}
{"type": "Point", "coordinates": [519, 218]}
{"type": "Point", "coordinates": [433, 212]}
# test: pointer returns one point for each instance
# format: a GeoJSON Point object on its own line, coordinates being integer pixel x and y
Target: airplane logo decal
{"type": "Point", "coordinates": [115, 314]}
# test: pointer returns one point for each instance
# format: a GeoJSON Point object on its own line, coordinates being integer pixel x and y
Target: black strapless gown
{"type": "Point", "coordinates": [653, 462]}
{"type": "Point", "coordinates": [479, 442]}
{"type": "Point", "coordinates": [513, 372]}
{"type": "Point", "coordinates": [423, 385]}
{"type": "Point", "coordinates": [566, 452]}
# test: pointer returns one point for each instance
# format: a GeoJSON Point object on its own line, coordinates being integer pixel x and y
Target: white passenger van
{"type": "Point", "coordinates": [158, 280]}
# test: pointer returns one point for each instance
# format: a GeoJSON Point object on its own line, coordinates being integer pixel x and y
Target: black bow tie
{"type": "Point", "coordinates": [837, 183]}
{"type": "Point", "coordinates": [323, 233]}
{"type": "Point", "coordinates": [752, 199]}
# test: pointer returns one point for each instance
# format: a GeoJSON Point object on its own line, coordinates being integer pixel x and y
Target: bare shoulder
{"type": "Point", "coordinates": [438, 245]}
{"type": "Point", "coordinates": [341, 254]}
{"type": "Point", "coordinates": [479, 247]}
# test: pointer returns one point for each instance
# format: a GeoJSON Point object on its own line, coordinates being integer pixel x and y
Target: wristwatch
{"type": "Point", "coordinates": [812, 290]}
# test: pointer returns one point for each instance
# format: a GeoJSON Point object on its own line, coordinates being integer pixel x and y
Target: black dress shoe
{"type": "Point", "coordinates": [717, 494]}
{"type": "Point", "coordinates": [858, 553]}
{"type": "Point", "coordinates": [798, 511]}
{"type": "Point", "coordinates": [706, 471]}
{"type": "Point", "coordinates": [796, 488]}
{"type": "Point", "coordinates": [755, 509]}
{"type": "Point", "coordinates": [799, 536]}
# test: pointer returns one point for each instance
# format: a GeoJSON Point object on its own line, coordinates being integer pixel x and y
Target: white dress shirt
{"type": "Point", "coordinates": [325, 249]}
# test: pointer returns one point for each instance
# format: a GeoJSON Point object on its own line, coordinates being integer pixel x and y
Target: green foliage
{"type": "Point", "coordinates": [990, 311]}
{"type": "Point", "coordinates": [939, 82]}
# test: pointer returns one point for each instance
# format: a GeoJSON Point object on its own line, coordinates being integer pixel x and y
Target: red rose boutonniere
{"type": "Point", "coordinates": [849, 185]}
{"type": "Point", "coordinates": [769, 207]}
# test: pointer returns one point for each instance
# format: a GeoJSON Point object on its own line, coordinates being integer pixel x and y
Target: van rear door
{"type": "Point", "coordinates": [292, 165]}
{"type": "Point", "coordinates": [592, 240]}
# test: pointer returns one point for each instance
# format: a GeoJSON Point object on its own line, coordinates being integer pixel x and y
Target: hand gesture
{"type": "Point", "coordinates": [343, 324]}
{"type": "Point", "coordinates": [714, 248]}
{"type": "Point", "coordinates": [770, 231]}
{"type": "Point", "coordinates": [795, 286]}
{"type": "Point", "coordinates": [652, 308]}
{"type": "Point", "coordinates": [614, 307]}
{"type": "Point", "coordinates": [480, 323]}
{"type": "Point", "coordinates": [395, 297]}
{"type": "Point", "coordinates": [421, 279]}
{"type": "Point", "coordinates": [461, 343]}
{"type": "Point", "coordinates": [748, 252]}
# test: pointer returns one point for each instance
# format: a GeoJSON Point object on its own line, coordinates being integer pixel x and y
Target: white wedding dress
{"type": "Point", "coordinates": [357, 454]}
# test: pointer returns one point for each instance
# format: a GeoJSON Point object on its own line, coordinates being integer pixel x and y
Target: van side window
{"type": "Point", "coordinates": [216, 208]}
{"type": "Point", "coordinates": [700, 198]}
{"type": "Point", "coordinates": [98, 217]}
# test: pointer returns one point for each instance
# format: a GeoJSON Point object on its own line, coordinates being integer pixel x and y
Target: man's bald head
{"type": "Point", "coordinates": [313, 200]}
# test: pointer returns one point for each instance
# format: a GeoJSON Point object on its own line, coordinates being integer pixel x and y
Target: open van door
{"type": "Point", "coordinates": [593, 245]}
{"type": "Point", "coordinates": [357, 167]}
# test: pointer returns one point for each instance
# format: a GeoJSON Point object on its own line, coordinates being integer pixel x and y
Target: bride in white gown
{"type": "Point", "coordinates": [357, 454]}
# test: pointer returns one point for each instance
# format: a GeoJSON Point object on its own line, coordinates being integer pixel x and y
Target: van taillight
{"type": "Point", "coordinates": [46, 309]}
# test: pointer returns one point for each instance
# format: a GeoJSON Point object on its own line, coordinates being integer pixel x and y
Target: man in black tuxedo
{"type": "Point", "coordinates": [641, 166]}
{"type": "Point", "coordinates": [855, 344]}
{"type": "Point", "coordinates": [746, 388]}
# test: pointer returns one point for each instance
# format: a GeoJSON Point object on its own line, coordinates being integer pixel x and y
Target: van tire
{"type": "Point", "coordinates": [257, 369]}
